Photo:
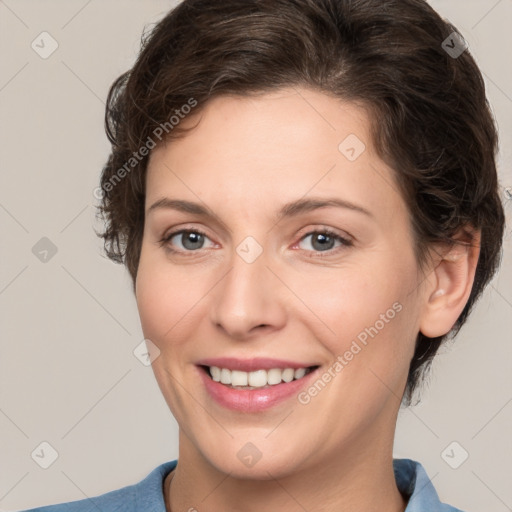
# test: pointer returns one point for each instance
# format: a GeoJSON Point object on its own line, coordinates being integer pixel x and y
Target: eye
{"type": "Point", "coordinates": [186, 240]}
{"type": "Point", "coordinates": [324, 241]}
{"type": "Point", "coordinates": [193, 240]}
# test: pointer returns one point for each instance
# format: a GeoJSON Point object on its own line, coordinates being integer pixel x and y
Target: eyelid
{"type": "Point", "coordinates": [179, 228]}
{"type": "Point", "coordinates": [328, 230]}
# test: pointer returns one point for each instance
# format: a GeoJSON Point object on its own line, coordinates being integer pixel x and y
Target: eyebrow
{"type": "Point", "coordinates": [291, 209]}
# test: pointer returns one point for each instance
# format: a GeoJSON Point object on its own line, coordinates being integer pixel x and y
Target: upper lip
{"type": "Point", "coordinates": [250, 365]}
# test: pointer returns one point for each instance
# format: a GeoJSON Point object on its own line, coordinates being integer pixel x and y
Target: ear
{"type": "Point", "coordinates": [450, 282]}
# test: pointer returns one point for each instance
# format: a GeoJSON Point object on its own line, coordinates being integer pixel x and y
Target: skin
{"type": "Point", "coordinates": [245, 158]}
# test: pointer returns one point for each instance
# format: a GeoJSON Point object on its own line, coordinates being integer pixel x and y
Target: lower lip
{"type": "Point", "coordinates": [253, 400]}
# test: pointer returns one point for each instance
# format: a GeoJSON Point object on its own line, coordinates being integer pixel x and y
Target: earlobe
{"type": "Point", "coordinates": [453, 274]}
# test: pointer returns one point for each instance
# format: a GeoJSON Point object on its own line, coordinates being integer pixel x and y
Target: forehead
{"type": "Point", "coordinates": [258, 151]}
{"type": "Point", "coordinates": [276, 120]}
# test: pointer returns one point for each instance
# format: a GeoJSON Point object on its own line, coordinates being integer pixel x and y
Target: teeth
{"type": "Point", "coordinates": [299, 373]}
{"type": "Point", "coordinates": [256, 379]}
{"type": "Point", "coordinates": [215, 373]}
{"type": "Point", "coordinates": [274, 376]}
{"type": "Point", "coordinates": [225, 376]}
{"type": "Point", "coordinates": [288, 374]}
{"type": "Point", "coordinates": [238, 378]}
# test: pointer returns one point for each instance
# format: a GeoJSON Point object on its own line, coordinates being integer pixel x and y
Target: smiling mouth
{"type": "Point", "coordinates": [258, 379]}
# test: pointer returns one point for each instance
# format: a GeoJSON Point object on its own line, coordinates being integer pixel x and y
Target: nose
{"type": "Point", "coordinates": [249, 300]}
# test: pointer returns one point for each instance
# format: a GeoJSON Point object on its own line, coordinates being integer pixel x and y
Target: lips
{"type": "Point", "coordinates": [252, 385]}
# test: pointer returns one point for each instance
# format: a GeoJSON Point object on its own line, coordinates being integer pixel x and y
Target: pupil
{"type": "Point", "coordinates": [325, 242]}
{"type": "Point", "coordinates": [196, 240]}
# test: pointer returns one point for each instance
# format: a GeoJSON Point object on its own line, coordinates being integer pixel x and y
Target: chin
{"type": "Point", "coordinates": [256, 461]}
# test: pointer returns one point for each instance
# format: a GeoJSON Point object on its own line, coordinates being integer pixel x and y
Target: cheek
{"type": "Point", "coordinates": [368, 317]}
{"type": "Point", "coordinates": [350, 299]}
{"type": "Point", "coordinates": [166, 300]}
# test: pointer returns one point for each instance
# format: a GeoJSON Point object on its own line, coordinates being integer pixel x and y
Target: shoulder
{"type": "Point", "coordinates": [146, 495]}
{"type": "Point", "coordinates": [412, 480]}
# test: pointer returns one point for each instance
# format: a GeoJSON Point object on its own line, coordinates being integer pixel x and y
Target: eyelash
{"type": "Point", "coordinates": [164, 242]}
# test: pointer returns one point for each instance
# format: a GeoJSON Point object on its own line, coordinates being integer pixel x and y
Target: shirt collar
{"type": "Point", "coordinates": [413, 481]}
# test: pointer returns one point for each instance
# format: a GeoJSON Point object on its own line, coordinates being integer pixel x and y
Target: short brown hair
{"type": "Point", "coordinates": [431, 119]}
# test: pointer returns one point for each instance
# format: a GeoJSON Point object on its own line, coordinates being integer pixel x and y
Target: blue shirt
{"type": "Point", "coordinates": [148, 496]}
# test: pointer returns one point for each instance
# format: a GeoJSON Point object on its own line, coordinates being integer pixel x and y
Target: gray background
{"type": "Point", "coordinates": [69, 325]}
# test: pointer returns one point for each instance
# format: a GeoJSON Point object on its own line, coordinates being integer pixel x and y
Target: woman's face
{"type": "Point", "coordinates": [297, 254]}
